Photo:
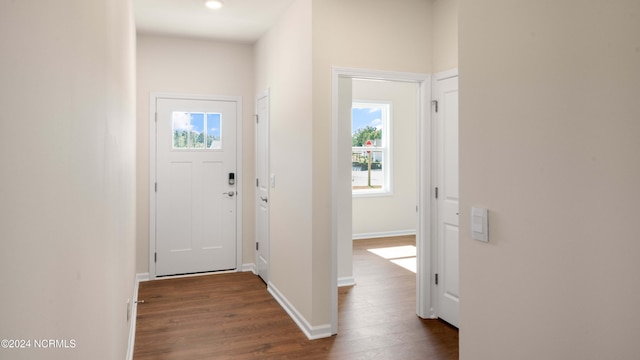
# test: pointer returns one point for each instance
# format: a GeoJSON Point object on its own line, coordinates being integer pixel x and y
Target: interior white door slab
{"type": "Point", "coordinates": [262, 187]}
{"type": "Point", "coordinates": [446, 119]}
{"type": "Point", "coordinates": [196, 186]}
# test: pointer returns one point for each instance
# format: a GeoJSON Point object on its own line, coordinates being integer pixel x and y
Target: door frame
{"type": "Point", "coordinates": [424, 204]}
{"type": "Point", "coordinates": [153, 98]}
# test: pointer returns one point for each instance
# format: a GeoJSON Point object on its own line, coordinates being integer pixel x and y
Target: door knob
{"type": "Point", "coordinates": [230, 193]}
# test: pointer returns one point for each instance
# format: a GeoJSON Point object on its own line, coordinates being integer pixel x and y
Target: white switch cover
{"type": "Point", "coordinates": [272, 179]}
{"type": "Point", "coordinates": [480, 224]}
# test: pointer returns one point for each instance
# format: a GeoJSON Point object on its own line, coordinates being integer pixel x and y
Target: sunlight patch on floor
{"type": "Point", "coordinates": [407, 263]}
{"type": "Point", "coordinates": [404, 256]}
{"type": "Point", "coordinates": [395, 252]}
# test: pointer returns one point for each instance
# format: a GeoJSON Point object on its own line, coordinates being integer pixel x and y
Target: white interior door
{"type": "Point", "coordinates": [195, 191]}
{"type": "Point", "coordinates": [262, 187]}
{"type": "Point", "coordinates": [446, 95]}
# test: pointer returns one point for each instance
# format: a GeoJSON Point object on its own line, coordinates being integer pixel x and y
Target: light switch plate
{"type": "Point", "coordinates": [480, 224]}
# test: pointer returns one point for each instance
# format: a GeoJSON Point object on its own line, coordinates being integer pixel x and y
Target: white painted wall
{"type": "Point", "coordinates": [445, 35]}
{"type": "Point", "coordinates": [67, 190]}
{"type": "Point", "coordinates": [549, 128]}
{"type": "Point", "coordinates": [193, 66]}
{"type": "Point", "coordinates": [395, 213]}
{"type": "Point", "coordinates": [343, 193]}
{"type": "Point", "coordinates": [283, 64]}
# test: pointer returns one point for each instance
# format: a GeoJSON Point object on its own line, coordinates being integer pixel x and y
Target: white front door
{"type": "Point", "coordinates": [262, 187]}
{"type": "Point", "coordinates": [195, 186]}
{"type": "Point", "coordinates": [446, 95]}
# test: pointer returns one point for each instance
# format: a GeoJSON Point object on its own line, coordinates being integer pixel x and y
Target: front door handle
{"type": "Point", "coordinates": [229, 194]}
{"type": "Point", "coordinates": [263, 198]}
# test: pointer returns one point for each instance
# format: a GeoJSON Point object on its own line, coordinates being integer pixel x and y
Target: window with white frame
{"type": "Point", "coordinates": [371, 147]}
{"type": "Point", "coordinates": [196, 131]}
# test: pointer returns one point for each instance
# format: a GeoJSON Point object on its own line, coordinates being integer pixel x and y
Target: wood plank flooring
{"type": "Point", "coordinates": [232, 316]}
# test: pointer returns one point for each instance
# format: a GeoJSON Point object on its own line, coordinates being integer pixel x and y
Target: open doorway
{"type": "Point", "coordinates": [384, 118]}
{"type": "Point", "coordinates": [344, 82]}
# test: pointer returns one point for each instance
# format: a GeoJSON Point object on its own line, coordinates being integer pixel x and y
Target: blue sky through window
{"type": "Point", "coordinates": [213, 125]}
{"type": "Point", "coordinates": [197, 122]}
{"type": "Point", "coordinates": [365, 116]}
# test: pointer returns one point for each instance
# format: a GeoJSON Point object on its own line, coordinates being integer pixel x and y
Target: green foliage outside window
{"type": "Point", "coordinates": [181, 140]}
{"type": "Point", "coordinates": [360, 137]}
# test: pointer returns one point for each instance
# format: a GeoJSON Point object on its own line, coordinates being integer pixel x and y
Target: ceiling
{"type": "Point", "coordinates": [238, 21]}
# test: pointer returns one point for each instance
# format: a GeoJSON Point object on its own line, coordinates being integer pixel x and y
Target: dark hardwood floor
{"type": "Point", "coordinates": [232, 316]}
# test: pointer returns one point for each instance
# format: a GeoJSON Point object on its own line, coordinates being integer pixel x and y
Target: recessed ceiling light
{"type": "Point", "coordinates": [213, 4]}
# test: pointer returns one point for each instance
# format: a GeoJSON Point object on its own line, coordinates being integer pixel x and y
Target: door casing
{"type": "Point", "coordinates": [425, 204]}
{"type": "Point", "coordinates": [153, 97]}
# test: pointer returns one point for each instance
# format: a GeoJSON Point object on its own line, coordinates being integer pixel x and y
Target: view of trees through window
{"type": "Point", "coordinates": [370, 143]}
{"type": "Point", "coordinates": [368, 132]}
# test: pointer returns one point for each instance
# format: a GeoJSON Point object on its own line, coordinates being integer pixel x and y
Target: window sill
{"type": "Point", "coordinates": [367, 194]}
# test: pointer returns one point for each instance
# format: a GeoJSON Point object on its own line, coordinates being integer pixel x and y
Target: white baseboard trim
{"type": "Point", "coordinates": [382, 234]}
{"type": "Point", "coordinates": [312, 332]}
{"type": "Point", "coordinates": [249, 267]}
{"type": "Point", "coordinates": [346, 281]}
{"type": "Point", "coordinates": [140, 277]}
